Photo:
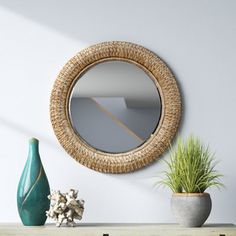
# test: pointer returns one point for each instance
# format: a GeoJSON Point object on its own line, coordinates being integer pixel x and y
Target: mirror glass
{"type": "Point", "coordinates": [115, 106]}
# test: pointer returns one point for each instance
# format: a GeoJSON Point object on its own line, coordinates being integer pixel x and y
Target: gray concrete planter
{"type": "Point", "coordinates": [191, 209]}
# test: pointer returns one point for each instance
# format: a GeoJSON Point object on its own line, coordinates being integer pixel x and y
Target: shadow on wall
{"type": "Point", "coordinates": [19, 128]}
{"type": "Point", "coordinates": [94, 21]}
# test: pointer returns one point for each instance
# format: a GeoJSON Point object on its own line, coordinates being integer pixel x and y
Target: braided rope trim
{"type": "Point", "coordinates": [158, 142]}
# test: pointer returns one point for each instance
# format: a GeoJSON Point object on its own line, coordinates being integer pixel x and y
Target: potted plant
{"type": "Point", "coordinates": [191, 170]}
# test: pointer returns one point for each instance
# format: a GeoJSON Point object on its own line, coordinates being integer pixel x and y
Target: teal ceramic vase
{"type": "Point", "coordinates": [33, 189]}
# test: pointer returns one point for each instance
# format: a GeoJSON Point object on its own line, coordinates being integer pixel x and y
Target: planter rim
{"type": "Point", "coordinates": [190, 194]}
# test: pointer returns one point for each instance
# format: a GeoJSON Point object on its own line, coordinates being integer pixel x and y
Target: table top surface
{"type": "Point", "coordinates": [99, 229]}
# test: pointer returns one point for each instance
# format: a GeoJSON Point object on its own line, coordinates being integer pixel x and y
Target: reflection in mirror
{"type": "Point", "coordinates": [115, 106]}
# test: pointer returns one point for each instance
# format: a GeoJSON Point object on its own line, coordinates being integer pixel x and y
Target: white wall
{"type": "Point", "coordinates": [197, 40]}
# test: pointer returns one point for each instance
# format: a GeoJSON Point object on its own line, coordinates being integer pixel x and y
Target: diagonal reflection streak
{"type": "Point", "coordinates": [117, 121]}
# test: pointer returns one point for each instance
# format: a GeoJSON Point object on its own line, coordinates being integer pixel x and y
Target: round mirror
{"type": "Point", "coordinates": [115, 106]}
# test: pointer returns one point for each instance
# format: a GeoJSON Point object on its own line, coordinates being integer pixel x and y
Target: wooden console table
{"type": "Point", "coordinates": [118, 230]}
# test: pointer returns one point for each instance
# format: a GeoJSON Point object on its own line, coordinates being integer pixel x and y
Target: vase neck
{"type": "Point", "coordinates": [33, 147]}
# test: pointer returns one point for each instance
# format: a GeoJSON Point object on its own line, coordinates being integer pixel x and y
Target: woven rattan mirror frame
{"type": "Point", "coordinates": [159, 140]}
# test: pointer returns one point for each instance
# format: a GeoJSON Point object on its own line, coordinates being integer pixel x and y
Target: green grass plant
{"type": "Point", "coordinates": [191, 168]}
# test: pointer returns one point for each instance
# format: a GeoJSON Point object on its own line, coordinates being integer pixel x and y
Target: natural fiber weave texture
{"type": "Point", "coordinates": [159, 140]}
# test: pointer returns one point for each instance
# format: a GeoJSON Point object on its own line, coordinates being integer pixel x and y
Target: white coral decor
{"type": "Point", "coordinates": [65, 207]}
